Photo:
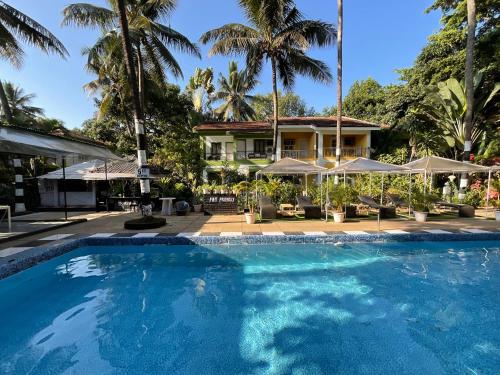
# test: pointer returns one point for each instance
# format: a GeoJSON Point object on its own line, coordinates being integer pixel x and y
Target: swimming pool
{"type": "Point", "coordinates": [363, 308]}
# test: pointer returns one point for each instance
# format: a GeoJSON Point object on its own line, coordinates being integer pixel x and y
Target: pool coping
{"type": "Point", "coordinates": [15, 263]}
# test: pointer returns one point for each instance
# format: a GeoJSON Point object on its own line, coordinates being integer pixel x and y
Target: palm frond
{"type": "Point", "coordinates": [175, 39]}
{"type": "Point", "coordinates": [88, 15]}
{"type": "Point", "coordinates": [30, 31]}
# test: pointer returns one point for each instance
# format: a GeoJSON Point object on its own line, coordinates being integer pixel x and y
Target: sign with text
{"type": "Point", "coordinates": [220, 204]}
{"type": "Point", "coordinates": [143, 173]}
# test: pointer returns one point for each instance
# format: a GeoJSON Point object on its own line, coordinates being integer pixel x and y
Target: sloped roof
{"type": "Point", "coordinates": [19, 140]}
{"type": "Point", "coordinates": [73, 172]}
{"type": "Point", "coordinates": [363, 165]}
{"type": "Point", "coordinates": [436, 164]}
{"type": "Point", "coordinates": [263, 126]}
{"type": "Point", "coordinates": [291, 166]}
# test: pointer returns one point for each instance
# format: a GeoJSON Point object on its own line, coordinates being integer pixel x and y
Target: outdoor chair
{"type": "Point", "coordinates": [397, 201]}
{"type": "Point", "coordinates": [182, 208]}
{"type": "Point", "coordinates": [385, 211]}
{"type": "Point", "coordinates": [311, 211]}
{"type": "Point", "coordinates": [267, 209]}
{"type": "Point", "coordinates": [464, 210]}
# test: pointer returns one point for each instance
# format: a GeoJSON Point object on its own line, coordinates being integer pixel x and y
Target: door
{"type": "Point", "coordinates": [229, 151]}
{"type": "Point", "coordinates": [241, 149]}
{"type": "Point", "coordinates": [303, 147]}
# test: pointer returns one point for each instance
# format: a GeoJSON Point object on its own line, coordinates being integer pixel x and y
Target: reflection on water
{"type": "Point", "coordinates": [302, 309]}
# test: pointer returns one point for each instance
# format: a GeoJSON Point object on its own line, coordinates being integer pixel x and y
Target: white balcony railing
{"type": "Point", "coordinates": [347, 152]}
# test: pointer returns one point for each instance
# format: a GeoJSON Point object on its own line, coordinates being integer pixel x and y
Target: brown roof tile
{"type": "Point", "coordinates": [250, 126]}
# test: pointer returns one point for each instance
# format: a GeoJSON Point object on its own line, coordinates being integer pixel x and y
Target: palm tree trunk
{"type": "Point", "coordinates": [275, 110]}
{"type": "Point", "coordinates": [469, 88]}
{"type": "Point", "coordinates": [5, 104]}
{"type": "Point", "coordinates": [338, 151]}
{"type": "Point", "coordinates": [137, 110]}
{"type": "Point", "coordinates": [140, 76]}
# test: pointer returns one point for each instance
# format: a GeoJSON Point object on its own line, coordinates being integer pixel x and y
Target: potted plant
{"type": "Point", "coordinates": [340, 197]}
{"type": "Point", "coordinates": [222, 189]}
{"type": "Point", "coordinates": [422, 203]}
{"type": "Point", "coordinates": [206, 188]}
{"type": "Point", "coordinates": [198, 199]}
{"type": "Point", "coordinates": [250, 212]}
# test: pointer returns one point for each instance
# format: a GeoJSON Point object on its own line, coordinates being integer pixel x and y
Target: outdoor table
{"type": "Point", "coordinates": [9, 219]}
{"type": "Point", "coordinates": [166, 205]}
{"type": "Point", "coordinates": [124, 200]}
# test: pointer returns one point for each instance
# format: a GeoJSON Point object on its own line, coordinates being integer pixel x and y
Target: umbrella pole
{"type": "Point", "coordinates": [321, 190]}
{"type": "Point", "coordinates": [326, 196]}
{"type": "Point", "coordinates": [107, 183]}
{"type": "Point", "coordinates": [345, 205]}
{"type": "Point", "coordinates": [409, 197]}
{"type": "Point", "coordinates": [381, 198]}
{"type": "Point", "coordinates": [64, 188]}
{"type": "Point", "coordinates": [488, 191]}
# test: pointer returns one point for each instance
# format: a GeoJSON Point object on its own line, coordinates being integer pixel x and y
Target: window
{"type": "Point", "coordinates": [349, 141]}
{"type": "Point", "coordinates": [289, 144]}
{"type": "Point", "coordinates": [261, 146]}
{"type": "Point", "coordinates": [216, 148]}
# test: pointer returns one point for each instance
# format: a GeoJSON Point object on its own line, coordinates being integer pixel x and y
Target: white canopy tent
{"type": "Point", "coordinates": [363, 165]}
{"type": "Point", "coordinates": [290, 167]}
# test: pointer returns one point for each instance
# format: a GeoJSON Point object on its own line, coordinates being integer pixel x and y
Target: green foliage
{"type": "Point", "coordinates": [289, 105]}
{"type": "Point", "coordinates": [342, 195]}
{"type": "Point", "coordinates": [422, 201]}
{"type": "Point", "coordinates": [234, 92]}
{"type": "Point", "coordinates": [200, 88]}
{"type": "Point", "coordinates": [288, 193]}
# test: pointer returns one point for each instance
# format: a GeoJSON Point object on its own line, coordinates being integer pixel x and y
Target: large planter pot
{"type": "Point", "coordinates": [338, 217]}
{"type": "Point", "coordinates": [197, 207]}
{"type": "Point", "coordinates": [250, 217]}
{"type": "Point", "coordinates": [206, 191]}
{"type": "Point", "coordinates": [421, 217]}
{"type": "Point", "coordinates": [497, 215]}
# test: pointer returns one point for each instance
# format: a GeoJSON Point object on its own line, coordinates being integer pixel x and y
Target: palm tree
{"type": "Point", "coordinates": [200, 87]}
{"type": "Point", "coordinates": [469, 88]}
{"type": "Point", "coordinates": [234, 90]}
{"type": "Point", "coordinates": [137, 109]}
{"type": "Point", "coordinates": [19, 103]}
{"type": "Point", "coordinates": [150, 39]}
{"type": "Point", "coordinates": [277, 33]}
{"type": "Point", "coordinates": [16, 27]}
{"type": "Point", "coordinates": [338, 144]}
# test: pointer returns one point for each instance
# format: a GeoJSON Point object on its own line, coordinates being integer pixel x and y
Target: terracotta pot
{"type": "Point", "coordinates": [421, 217]}
{"type": "Point", "coordinates": [250, 217]}
{"type": "Point", "coordinates": [338, 217]}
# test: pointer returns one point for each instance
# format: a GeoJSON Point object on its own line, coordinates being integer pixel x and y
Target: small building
{"type": "Point", "coordinates": [247, 145]}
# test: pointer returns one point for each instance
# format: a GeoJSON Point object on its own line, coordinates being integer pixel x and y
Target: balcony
{"type": "Point", "coordinates": [298, 154]}
{"type": "Point", "coordinates": [347, 152]}
{"type": "Point", "coordinates": [238, 155]}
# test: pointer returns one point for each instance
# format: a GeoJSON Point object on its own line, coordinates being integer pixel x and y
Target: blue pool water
{"type": "Point", "coordinates": [370, 308]}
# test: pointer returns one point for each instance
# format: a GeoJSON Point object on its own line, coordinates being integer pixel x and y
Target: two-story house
{"type": "Point", "coordinates": [247, 145]}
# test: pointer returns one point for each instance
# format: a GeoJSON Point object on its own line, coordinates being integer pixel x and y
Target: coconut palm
{"type": "Point", "coordinates": [19, 104]}
{"type": "Point", "coordinates": [233, 90]}
{"type": "Point", "coordinates": [150, 38]}
{"type": "Point", "coordinates": [338, 145]}
{"type": "Point", "coordinates": [17, 27]}
{"type": "Point", "coordinates": [278, 33]}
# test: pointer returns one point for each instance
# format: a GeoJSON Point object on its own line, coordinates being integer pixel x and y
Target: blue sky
{"type": "Point", "coordinates": [379, 37]}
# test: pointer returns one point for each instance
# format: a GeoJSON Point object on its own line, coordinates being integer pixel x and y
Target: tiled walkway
{"type": "Point", "coordinates": [195, 225]}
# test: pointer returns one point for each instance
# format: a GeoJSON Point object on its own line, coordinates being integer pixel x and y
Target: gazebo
{"type": "Point", "coordinates": [291, 167]}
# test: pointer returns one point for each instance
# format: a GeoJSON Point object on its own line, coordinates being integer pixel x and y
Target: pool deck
{"type": "Point", "coordinates": [107, 225]}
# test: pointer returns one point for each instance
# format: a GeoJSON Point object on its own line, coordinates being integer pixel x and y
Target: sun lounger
{"type": "Point", "coordinates": [266, 208]}
{"type": "Point", "coordinates": [311, 211]}
{"type": "Point", "coordinates": [385, 211]}
{"type": "Point", "coordinates": [464, 210]}
{"type": "Point", "coordinates": [181, 208]}
{"type": "Point", "coordinates": [397, 201]}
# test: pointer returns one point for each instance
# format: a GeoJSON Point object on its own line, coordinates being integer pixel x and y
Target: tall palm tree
{"type": "Point", "coordinates": [150, 39]}
{"type": "Point", "coordinates": [469, 86]}
{"type": "Point", "coordinates": [338, 144]}
{"type": "Point", "coordinates": [17, 27]}
{"type": "Point", "coordinates": [137, 109]}
{"type": "Point", "coordinates": [19, 104]}
{"type": "Point", "coordinates": [278, 33]}
{"type": "Point", "coordinates": [234, 90]}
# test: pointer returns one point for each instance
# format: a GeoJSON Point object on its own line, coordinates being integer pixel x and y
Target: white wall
{"type": "Point", "coordinates": [50, 197]}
